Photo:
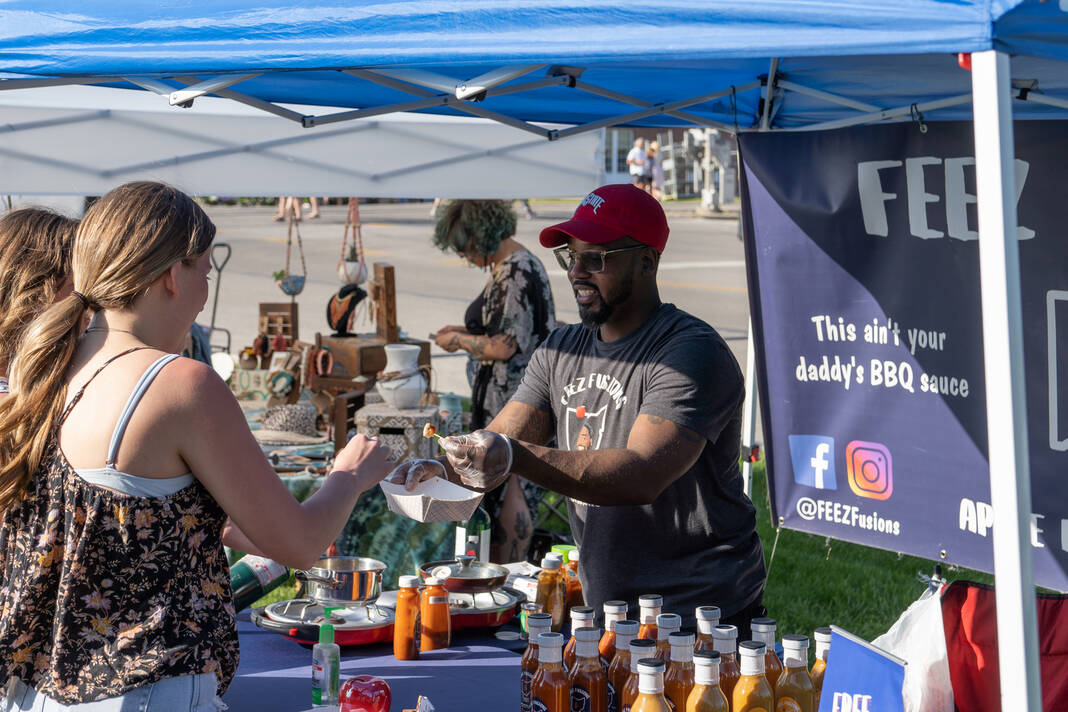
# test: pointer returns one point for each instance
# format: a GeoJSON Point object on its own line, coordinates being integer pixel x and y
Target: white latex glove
{"type": "Point", "coordinates": [483, 458]}
{"type": "Point", "coordinates": [411, 473]}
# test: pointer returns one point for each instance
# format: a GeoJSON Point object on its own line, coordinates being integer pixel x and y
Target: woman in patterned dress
{"type": "Point", "coordinates": [502, 326]}
{"type": "Point", "coordinates": [35, 261]}
{"type": "Point", "coordinates": [114, 588]}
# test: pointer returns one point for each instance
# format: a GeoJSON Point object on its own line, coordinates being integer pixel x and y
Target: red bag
{"type": "Point", "coordinates": [970, 623]}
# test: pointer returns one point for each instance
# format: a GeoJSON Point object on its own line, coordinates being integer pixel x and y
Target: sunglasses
{"type": "Point", "coordinates": [593, 261]}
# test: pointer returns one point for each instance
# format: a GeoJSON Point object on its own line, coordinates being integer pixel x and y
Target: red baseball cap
{"type": "Point", "coordinates": [612, 212]}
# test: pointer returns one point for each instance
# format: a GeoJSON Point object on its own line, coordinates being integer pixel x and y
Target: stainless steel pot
{"type": "Point", "coordinates": [342, 580]}
{"type": "Point", "coordinates": [465, 575]}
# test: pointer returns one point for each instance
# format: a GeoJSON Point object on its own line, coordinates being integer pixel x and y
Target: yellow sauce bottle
{"type": "Point", "coordinates": [679, 676]}
{"type": "Point", "coordinates": [706, 695]}
{"type": "Point", "coordinates": [639, 648]}
{"type": "Point", "coordinates": [752, 693]}
{"type": "Point", "coordinates": [614, 611]}
{"type": "Point", "coordinates": [649, 607]}
{"type": "Point", "coordinates": [651, 687]}
{"type": "Point", "coordinates": [823, 647]}
{"type": "Point", "coordinates": [764, 632]}
{"type": "Point", "coordinates": [581, 617]}
{"type": "Point", "coordinates": [619, 668]}
{"type": "Point", "coordinates": [666, 624]}
{"type": "Point", "coordinates": [536, 623]}
{"type": "Point", "coordinates": [727, 647]}
{"type": "Point", "coordinates": [589, 683]}
{"type": "Point", "coordinates": [707, 620]}
{"type": "Point", "coordinates": [794, 691]}
{"type": "Point", "coordinates": [551, 591]}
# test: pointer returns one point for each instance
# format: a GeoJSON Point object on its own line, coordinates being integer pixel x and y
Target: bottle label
{"type": "Point", "coordinates": [537, 705]}
{"type": "Point", "coordinates": [438, 600]}
{"type": "Point", "coordinates": [787, 704]}
{"type": "Point", "coordinates": [580, 699]}
{"type": "Point", "coordinates": [525, 678]}
{"type": "Point", "coordinates": [317, 683]}
{"type": "Point", "coordinates": [613, 703]}
{"type": "Point", "coordinates": [265, 570]}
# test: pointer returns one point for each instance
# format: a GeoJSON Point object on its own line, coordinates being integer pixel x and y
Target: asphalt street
{"type": "Point", "coordinates": [702, 271]}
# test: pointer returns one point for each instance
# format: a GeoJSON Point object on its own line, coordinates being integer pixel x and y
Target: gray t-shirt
{"type": "Point", "coordinates": [696, 543]}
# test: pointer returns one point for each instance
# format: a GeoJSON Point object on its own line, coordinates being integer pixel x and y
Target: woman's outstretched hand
{"type": "Point", "coordinates": [365, 459]}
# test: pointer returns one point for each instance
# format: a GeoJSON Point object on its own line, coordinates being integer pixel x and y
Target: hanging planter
{"type": "Point", "coordinates": [292, 284]}
{"type": "Point", "coordinates": [351, 267]}
{"type": "Point", "coordinates": [352, 270]}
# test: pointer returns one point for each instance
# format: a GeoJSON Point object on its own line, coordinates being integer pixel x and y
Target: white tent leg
{"type": "Point", "coordinates": [749, 411]}
{"type": "Point", "coordinates": [1006, 411]}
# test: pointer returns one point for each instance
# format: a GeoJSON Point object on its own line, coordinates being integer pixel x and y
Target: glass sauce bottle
{"type": "Point", "coordinates": [649, 607]}
{"type": "Point", "coordinates": [581, 617]}
{"type": "Point", "coordinates": [573, 583]}
{"type": "Point", "coordinates": [651, 687]}
{"type": "Point", "coordinates": [589, 683]}
{"type": "Point", "coordinates": [707, 620]}
{"type": "Point", "coordinates": [752, 693]}
{"type": "Point", "coordinates": [726, 643]}
{"type": "Point", "coordinates": [764, 632]}
{"type": "Point", "coordinates": [706, 695]}
{"type": "Point", "coordinates": [435, 625]}
{"type": "Point", "coordinates": [551, 591]}
{"type": "Point", "coordinates": [405, 645]}
{"type": "Point", "coordinates": [550, 690]}
{"type": "Point", "coordinates": [639, 648]}
{"type": "Point", "coordinates": [666, 624]}
{"type": "Point", "coordinates": [794, 691]}
{"type": "Point", "coordinates": [823, 647]}
{"type": "Point", "coordinates": [619, 668]}
{"type": "Point", "coordinates": [536, 623]}
{"type": "Point", "coordinates": [679, 676]}
{"type": "Point", "coordinates": [614, 611]}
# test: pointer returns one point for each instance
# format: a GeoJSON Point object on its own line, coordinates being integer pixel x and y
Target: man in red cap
{"type": "Point", "coordinates": [645, 403]}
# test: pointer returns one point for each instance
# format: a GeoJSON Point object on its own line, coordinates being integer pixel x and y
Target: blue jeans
{"type": "Point", "coordinates": [195, 693]}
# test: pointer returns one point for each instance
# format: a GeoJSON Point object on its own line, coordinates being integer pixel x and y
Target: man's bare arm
{"type": "Point", "coordinates": [520, 421]}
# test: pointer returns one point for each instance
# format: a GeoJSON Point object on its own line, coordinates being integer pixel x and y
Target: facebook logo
{"type": "Point", "coordinates": [813, 458]}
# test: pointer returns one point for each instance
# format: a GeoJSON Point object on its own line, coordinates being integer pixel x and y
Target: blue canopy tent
{"type": "Point", "coordinates": [738, 65]}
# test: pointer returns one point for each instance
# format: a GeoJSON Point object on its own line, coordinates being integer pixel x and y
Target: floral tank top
{"type": "Point", "coordinates": [102, 592]}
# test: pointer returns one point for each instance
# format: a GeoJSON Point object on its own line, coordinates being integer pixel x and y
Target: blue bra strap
{"type": "Point", "coordinates": [135, 397]}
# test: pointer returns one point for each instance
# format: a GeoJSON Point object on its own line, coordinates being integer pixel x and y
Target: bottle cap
{"type": "Point", "coordinates": [705, 657]}
{"type": "Point", "coordinates": [822, 635]}
{"type": "Point", "coordinates": [432, 581]}
{"type": "Point", "coordinates": [573, 555]}
{"type": "Point", "coordinates": [751, 648]}
{"type": "Point", "coordinates": [669, 621]}
{"type": "Point", "coordinates": [616, 607]}
{"type": "Point", "coordinates": [581, 613]}
{"type": "Point", "coordinates": [408, 582]}
{"type": "Point", "coordinates": [650, 666]}
{"type": "Point", "coordinates": [550, 564]}
{"type": "Point", "coordinates": [708, 613]}
{"type": "Point", "coordinates": [550, 639]}
{"type": "Point", "coordinates": [642, 646]}
{"type": "Point", "coordinates": [706, 667]}
{"type": "Point", "coordinates": [651, 600]}
{"type": "Point", "coordinates": [627, 627]}
{"type": "Point", "coordinates": [681, 639]}
{"type": "Point", "coordinates": [795, 642]}
{"type": "Point", "coordinates": [561, 549]}
{"type": "Point", "coordinates": [555, 555]}
{"type": "Point", "coordinates": [725, 632]}
{"type": "Point", "coordinates": [587, 635]}
{"type": "Point", "coordinates": [326, 634]}
{"type": "Point", "coordinates": [537, 623]}
{"type": "Point", "coordinates": [763, 625]}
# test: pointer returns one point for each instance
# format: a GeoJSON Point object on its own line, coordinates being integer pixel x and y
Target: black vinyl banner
{"type": "Point", "coordinates": [863, 259]}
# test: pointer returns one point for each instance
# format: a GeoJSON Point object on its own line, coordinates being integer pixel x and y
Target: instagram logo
{"type": "Point", "coordinates": [869, 469]}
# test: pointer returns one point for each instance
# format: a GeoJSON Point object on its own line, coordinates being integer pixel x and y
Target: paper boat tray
{"type": "Point", "coordinates": [436, 500]}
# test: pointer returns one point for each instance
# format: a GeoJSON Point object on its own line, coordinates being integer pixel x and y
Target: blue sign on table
{"type": "Point", "coordinates": [863, 265]}
{"type": "Point", "coordinates": [860, 677]}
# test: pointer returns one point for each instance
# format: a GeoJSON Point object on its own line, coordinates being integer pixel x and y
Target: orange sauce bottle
{"type": "Point", "coordinates": [764, 632]}
{"type": "Point", "coordinates": [666, 624]}
{"type": "Point", "coordinates": [549, 690]}
{"type": "Point", "coordinates": [649, 607]}
{"type": "Point", "coordinates": [794, 691]}
{"type": "Point", "coordinates": [614, 611]}
{"type": "Point", "coordinates": [706, 695]}
{"type": "Point", "coordinates": [679, 676]}
{"type": "Point", "coordinates": [405, 645]}
{"type": "Point", "coordinates": [536, 623]}
{"type": "Point", "coordinates": [651, 687]}
{"type": "Point", "coordinates": [551, 594]}
{"type": "Point", "coordinates": [619, 668]}
{"type": "Point", "coordinates": [707, 620]}
{"type": "Point", "coordinates": [639, 648]}
{"type": "Point", "coordinates": [727, 646]}
{"type": "Point", "coordinates": [819, 667]}
{"type": "Point", "coordinates": [752, 693]}
{"type": "Point", "coordinates": [581, 617]}
{"type": "Point", "coordinates": [573, 583]}
{"type": "Point", "coordinates": [589, 683]}
{"type": "Point", "coordinates": [435, 625]}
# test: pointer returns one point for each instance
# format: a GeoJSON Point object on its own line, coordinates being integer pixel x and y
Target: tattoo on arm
{"type": "Point", "coordinates": [685, 433]}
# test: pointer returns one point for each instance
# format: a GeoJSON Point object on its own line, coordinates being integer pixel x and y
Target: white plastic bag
{"type": "Point", "coordinates": [918, 637]}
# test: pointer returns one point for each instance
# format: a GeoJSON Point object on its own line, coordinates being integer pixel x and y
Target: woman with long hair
{"type": "Point", "coordinates": [124, 469]}
{"type": "Point", "coordinates": [35, 246]}
{"type": "Point", "coordinates": [512, 314]}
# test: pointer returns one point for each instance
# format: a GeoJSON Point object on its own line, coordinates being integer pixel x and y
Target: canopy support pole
{"type": "Point", "coordinates": [769, 94]}
{"type": "Point", "coordinates": [1006, 409]}
{"type": "Point", "coordinates": [749, 413]}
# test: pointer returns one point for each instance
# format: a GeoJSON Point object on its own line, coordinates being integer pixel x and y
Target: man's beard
{"type": "Point", "coordinates": [598, 313]}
